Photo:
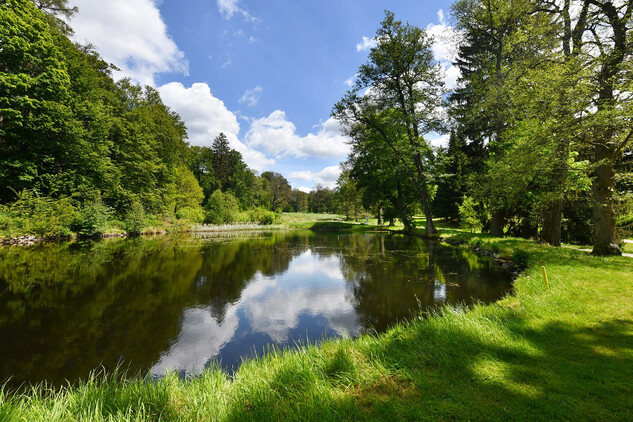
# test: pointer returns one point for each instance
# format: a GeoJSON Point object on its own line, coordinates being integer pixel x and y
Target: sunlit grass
{"type": "Point", "coordinates": [556, 351]}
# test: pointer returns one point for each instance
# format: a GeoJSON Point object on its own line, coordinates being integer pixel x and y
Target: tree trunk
{"type": "Point", "coordinates": [497, 223]}
{"type": "Point", "coordinates": [552, 217]}
{"type": "Point", "coordinates": [401, 210]}
{"type": "Point", "coordinates": [380, 216]}
{"type": "Point", "coordinates": [424, 194]}
{"type": "Point", "coordinates": [430, 228]}
{"type": "Point", "coordinates": [604, 235]}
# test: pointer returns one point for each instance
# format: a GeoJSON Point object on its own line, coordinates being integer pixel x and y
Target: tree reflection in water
{"type": "Point", "coordinates": [181, 302]}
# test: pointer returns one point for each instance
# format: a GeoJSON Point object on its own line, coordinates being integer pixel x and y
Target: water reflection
{"type": "Point", "coordinates": [180, 303]}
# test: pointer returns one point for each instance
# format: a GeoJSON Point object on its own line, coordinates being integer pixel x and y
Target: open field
{"type": "Point", "coordinates": [561, 350]}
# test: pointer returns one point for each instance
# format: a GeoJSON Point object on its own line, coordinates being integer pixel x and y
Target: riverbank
{"type": "Point", "coordinates": [283, 221]}
{"type": "Point", "coordinates": [561, 350]}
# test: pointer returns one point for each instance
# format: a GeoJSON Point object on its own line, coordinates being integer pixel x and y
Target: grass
{"type": "Point", "coordinates": [557, 352]}
{"type": "Point", "coordinates": [333, 222]}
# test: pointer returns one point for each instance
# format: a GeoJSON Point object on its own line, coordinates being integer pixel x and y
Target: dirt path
{"type": "Point", "coordinates": [629, 255]}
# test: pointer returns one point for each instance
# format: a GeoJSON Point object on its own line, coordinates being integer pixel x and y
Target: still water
{"type": "Point", "coordinates": [181, 303]}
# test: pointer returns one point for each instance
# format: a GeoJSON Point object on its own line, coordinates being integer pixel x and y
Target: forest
{"type": "Point", "coordinates": [540, 124]}
{"type": "Point", "coordinates": [84, 153]}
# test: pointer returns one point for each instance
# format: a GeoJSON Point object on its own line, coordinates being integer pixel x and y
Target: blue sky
{"type": "Point", "coordinates": [264, 72]}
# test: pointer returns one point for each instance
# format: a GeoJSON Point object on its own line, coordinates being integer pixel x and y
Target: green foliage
{"type": "Point", "coordinates": [321, 200]}
{"type": "Point", "coordinates": [297, 201]}
{"type": "Point", "coordinates": [261, 216]}
{"type": "Point", "coordinates": [92, 219]}
{"type": "Point", "coordinates": [34, 88]}
{"type": "Point", "coordinates": [135, 219]}
{"type": "Point", "coordinates": [38, 215]}
{"type": "Point", "coordinates": [349, 196]}
{"type": "Point", "coordinates": [468, 215]}
{"type": "Point", "coordinates": [185, 191]}
{"type": "Point", "coordinates": [452, 186]}
{"type": "Point", "coordinates": [68, 130]}
{"type": "Point", "coordinates": [221, 159]}
{"type": "Point", "coordinates": [222, 208]}
{"type": "Point", "coordinates": [279, 190]}
{"type": "Point", "coordinates": [395, 101]}
{"type": "Point", "coordinates": [193, 214]}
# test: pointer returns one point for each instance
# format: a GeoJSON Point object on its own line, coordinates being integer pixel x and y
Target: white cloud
{"type": "Point", "coordinates": [206, 116]}
{"type": "Point", "coordinates": [278, 308]}
{"type": "Point", "coordinates": [445, 48]}
{"type": "Point", "coordinates": [228, 8]}
{"type": "Point", "coordinates": [304, 175]}
{"type": "Point", "coordinates": [326, 177]}
{"type": "Point", "coordinates": [130, 34]}
{"type": "Point", "coordinates": [350, 82]}
{"type": "Point", "coordinates": [437, 140]}
{"type": "Point", "coordinates": [366, 44]}
{"type": "Point", "coordinates": [195, 346]}
{"type": "Point", "coordinates": [251, 96]}
{"type": "Point", "coordinates": [277, 135]}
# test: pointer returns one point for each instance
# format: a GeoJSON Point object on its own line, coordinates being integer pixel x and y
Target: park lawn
{"type": "Point", "coordinates": [547, 352]}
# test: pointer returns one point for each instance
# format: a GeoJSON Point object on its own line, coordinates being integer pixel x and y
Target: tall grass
{"type": "Point", "coordinates": [562, 351]}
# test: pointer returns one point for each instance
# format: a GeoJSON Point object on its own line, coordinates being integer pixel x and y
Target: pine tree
{"type": "Point", "coordinates": [221, 159]}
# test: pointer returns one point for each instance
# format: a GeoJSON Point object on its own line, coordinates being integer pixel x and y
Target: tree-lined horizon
{"type": "Point", "coordinates": [541, 138]}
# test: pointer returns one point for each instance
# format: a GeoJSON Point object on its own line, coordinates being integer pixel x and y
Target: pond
{"type": "Point", "coordinates": [181, 303]}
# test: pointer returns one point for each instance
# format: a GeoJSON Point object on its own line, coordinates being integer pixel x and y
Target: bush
{"type": "Point", "coordinates": [468, 215]}
{"type": "Point", "coordinates": [195, 215]}
{"type": "Point", "coordinates": [7, 224]}
{"type": "Point", "coordinates": [222, 208]}
{"type": "Point", "coordinates": [92, 219]}
{"type": "Point", "coordinates": [261, 216]}
{"type": "Point", "coordinates": [41, 216]}
{"type": "Point", "coordinates": [135, 220]}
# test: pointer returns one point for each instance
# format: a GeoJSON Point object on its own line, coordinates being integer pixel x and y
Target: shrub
{"type": "Point", "coordinates": [92, 219]}
{"type": "Point", "coordinates": [261, 216]}
{"type": "Point", "coordinates": [40, 215]}
{"type": "Point", "coordinates": [135, 220]}
{"type": "Point", "coordinates": [222, 208]}
{"type": "Point", "coordinates": [468, 215]}
{"type": "Point", "coordinates": [7, 224]}
{"type": "Point", "coordinates": [195, 215]}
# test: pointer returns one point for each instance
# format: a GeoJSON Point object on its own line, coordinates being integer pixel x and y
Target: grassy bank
{"type": "Point", "coordinates": [562, 351]}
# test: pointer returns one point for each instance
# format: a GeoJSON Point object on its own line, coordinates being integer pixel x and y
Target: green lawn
{"type": "Point", "coordinates": [558, 352]}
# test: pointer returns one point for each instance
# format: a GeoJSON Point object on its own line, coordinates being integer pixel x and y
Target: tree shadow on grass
{"type": "Point", "coordinates": [557, 372]}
